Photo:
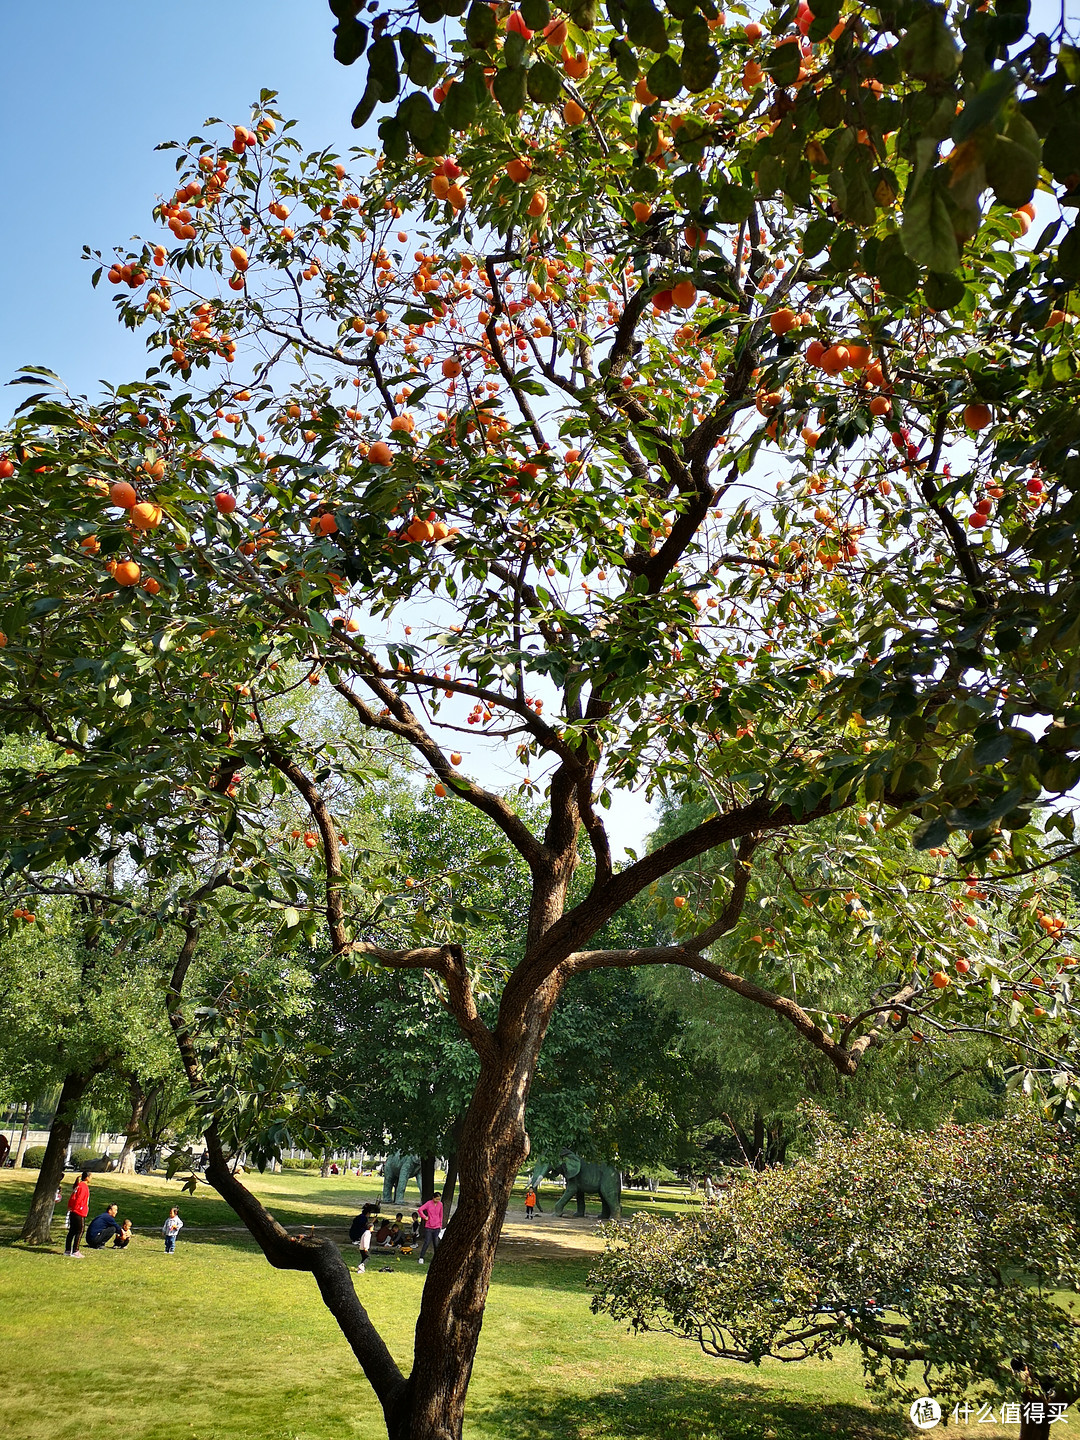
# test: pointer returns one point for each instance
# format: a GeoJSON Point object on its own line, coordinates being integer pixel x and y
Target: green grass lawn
{"type": "Point", "coordinates": [213, 1344]}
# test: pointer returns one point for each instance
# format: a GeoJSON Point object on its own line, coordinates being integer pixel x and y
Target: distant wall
{"type": "Point", "coordinates": [80, 1139]}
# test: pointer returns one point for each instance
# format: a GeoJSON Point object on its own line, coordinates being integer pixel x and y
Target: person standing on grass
{"type": "Point", "coordinates": [78, 1209]}
{"type": "Point", "coordinates": [530, 1203]}
{"type": "Point", "coordinates": [431, 1213]}
{"type": "Point", "coordinates": [360, 1233]}
{"type": "Point", "coordinates": [172, 1227]}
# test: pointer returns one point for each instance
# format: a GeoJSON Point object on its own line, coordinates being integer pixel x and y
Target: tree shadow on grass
{"type": "Point", "coordinates": [677, 1409]}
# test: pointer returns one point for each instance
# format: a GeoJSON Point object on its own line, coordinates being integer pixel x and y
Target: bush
{"type": "Point", "coordinates": [81, 1158]}
{"type": "Point", "coordinates": [302, 1164]}
{"type": "Point", "coordinates": [33, 1157]}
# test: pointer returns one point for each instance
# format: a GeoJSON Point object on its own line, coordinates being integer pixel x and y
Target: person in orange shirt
{"type": "Point", "coordinates": [530, 1203]}
{"type": "Point", "coordinates": [78, 1209]}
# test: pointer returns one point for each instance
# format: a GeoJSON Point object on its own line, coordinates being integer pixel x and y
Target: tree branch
{"type": "Point", "coordinates": [320, 1256]}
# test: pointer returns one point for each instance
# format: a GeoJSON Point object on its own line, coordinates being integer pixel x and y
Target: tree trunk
{"type": "Point", "coordinates": [758, 1158]}
{"type": "Point", "coordinates": [427, 1176]}
{"type": "Point", "coordinates": [125, 1162]}
{"type": "Point", "coordinates": [494, 1147]}
{"type": "Point", "coordinates": [450, 1183]}
{"type": "Point", "coordinates": [20, 1150]}
{"type": "Point", "coordinates": [1034, 1429]}
{"type": "Point", "coordinates": [38, 1227]}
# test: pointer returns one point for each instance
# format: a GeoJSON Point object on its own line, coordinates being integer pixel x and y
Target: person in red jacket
{"type": "Point", "coordinates": [431, 1213]}
{"type": "Point", "coordinates": [78, 1209]}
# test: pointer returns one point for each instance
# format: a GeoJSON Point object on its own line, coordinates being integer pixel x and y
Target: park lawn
{"type": "Point", "coordinates": [212, 1344]}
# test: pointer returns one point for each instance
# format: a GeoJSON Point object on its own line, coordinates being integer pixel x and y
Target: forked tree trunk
{"type": "Point", "coordinates": [38, 1227]}
{"type": "Point", "coordinates": [125, 1162]}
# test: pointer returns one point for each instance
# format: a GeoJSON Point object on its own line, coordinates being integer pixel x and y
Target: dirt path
{"type": "Point", "coordinates": [543, 1237]}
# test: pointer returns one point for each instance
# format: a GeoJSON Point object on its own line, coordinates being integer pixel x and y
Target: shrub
{"type": "Point", "coordinates": [301, 1164]}
{"type": "Point", "coordinates": [33, 1157]}
{"type": "Point", "coordinates": [81, 1158]}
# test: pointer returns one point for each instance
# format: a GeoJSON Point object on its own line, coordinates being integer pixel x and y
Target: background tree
{"type": "Point", "coordinates": [76, 1015]}
{"type": "Point", "coordinates": [828, 915]}
{"type": "Point", "coordinates": [941, 1250]}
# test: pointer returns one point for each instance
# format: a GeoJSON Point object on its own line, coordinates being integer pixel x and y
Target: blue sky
{"type": "Point", "coordinates": [88, 91]}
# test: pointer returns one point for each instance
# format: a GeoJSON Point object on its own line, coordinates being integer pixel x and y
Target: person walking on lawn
{"type": "Point", "coordinates": [431, 1213]}
{"type": "Point", "coordinates": [78, 1209]}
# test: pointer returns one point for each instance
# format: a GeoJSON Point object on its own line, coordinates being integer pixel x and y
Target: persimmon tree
{"type": "Point", "coordinates": [944, 1279]}
{"type": "Point", "coordinates": [528, 452]}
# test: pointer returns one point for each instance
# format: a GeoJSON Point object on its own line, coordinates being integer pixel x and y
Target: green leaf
{"type": "Point", "coordinates": [645, 26]}
{"type": "Point", "coordinates": [664, 77]}
{"type": "Point", "coordinates": [1012, 172]}
{"type": "Point", "coordinates": [931, 833]}
{"type": "Point", "coordinates": [544, 83]}
{"type": "Point", "coordinates": [858, 201]}
{"type": "Point", "coordinates": [783, 62]}
{"type": "Point", "coordinates": [843, 250]}
{"type": "Point", "coordinates": [509, 89]}
{"type": "Point", "coordinates": [817, 235]}
{"type": "Point", "coordinates": [927, 51]}
{"type": "Point", "coordinates": [997, 88]}
{"type": "Point", "coordinates": [626, 61]}
{"type": "Point", "coordinates": [927, 229]}
{"type": "Point", "coordinates": [514, 48]}
{"type": "Point", "coordinates": [350, 41]}
{"type": "Point", "coordinates": [481, 26]}
{"type": "Point", "coordinates": [383, 67]}
{"type": "Point", "coordinates": [700, 63]}
{"type": "Point", "coordinates": [688, 189]}
{"type": "Point", "coordinates": [422, 66]}
{"type": "Point", "coordinates": [943, 291]}
{"type": "Point", "coordinates": [898, 273]}
{"type": "Point", "coordinates": [583, 13]}
{"type": "Point", "coordinates": [436, 142]}
{"type": "Point", "coordinates": [643, 180]}
{"type": "Point", "coordinates": [732, 203]}
{"type": "Point", "coordinates": [535, 13]}
{"type": "Point", "coordinates": [460, 107]}
{"type": "Point", "coordinates": [418, 115]}
{"type": "Point", "coordinates": [395, 140]}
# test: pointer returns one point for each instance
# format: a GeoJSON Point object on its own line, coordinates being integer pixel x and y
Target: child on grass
{"type": "Point", "coordinates": [172, 1227]}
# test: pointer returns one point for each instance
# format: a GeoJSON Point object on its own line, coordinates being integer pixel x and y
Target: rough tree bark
{"type": "Point", "coordinates": [38, 1227]}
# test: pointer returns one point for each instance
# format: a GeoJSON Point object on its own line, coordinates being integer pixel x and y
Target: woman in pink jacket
{"type": "Point", "coordinates": [431, 1214]}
